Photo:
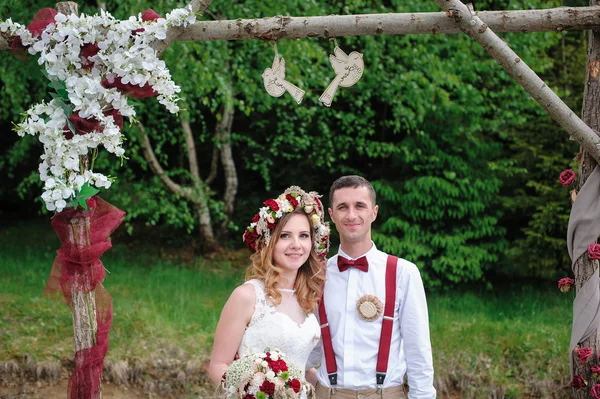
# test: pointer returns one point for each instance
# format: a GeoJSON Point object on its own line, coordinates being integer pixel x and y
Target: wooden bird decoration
{"type": "Point", "coordinates": [348, 68]}
{"type": "Point", "coordinates": [275, 83]}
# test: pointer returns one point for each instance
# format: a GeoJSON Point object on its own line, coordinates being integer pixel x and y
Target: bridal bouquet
{"type": "Point", "coordinates": [264, 376]}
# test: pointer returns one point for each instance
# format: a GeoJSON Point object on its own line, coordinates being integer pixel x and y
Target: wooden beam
{"type": "Point", "coordinates": [280, 27]}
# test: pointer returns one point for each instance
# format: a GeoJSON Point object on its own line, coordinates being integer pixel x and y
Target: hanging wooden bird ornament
{"type": "Point", "coordinates": [348, 68]}
{"type": "Point", "coordinates": [275, 83]}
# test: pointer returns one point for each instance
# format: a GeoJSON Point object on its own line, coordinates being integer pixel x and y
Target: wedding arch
{"type": "Point", "coordinates": [85, 228]}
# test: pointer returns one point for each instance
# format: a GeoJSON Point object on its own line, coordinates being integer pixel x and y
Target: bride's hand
{"type": "Point", "coordinates": [311, 376]}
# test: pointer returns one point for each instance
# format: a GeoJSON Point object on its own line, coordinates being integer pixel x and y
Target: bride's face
{"type": "Point", "coordinates": [293, 245]}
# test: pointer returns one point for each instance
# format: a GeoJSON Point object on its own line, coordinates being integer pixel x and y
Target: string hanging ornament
{"type": "Point", "coordinates": [349, 69]}
{"type": "Point", "coordinates": [274, 79]}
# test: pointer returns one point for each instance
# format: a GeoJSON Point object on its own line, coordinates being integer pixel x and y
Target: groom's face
{"type": "Point", "coordinates": [352, 210]}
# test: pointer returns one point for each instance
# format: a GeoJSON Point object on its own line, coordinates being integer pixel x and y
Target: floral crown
{"type": "Point", "coordinates": [268, 216]}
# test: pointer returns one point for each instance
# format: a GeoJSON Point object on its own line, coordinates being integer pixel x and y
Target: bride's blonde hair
{"type": "Point", "coordinates": [311, 275]}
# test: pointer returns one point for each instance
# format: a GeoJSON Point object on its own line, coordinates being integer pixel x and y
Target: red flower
{"type": "Point", "coordinates": [595, 391]}
{"type": "Point", "coordinates": [294, 384]}
{"type": "Point", "coordinates": [129, 89]}
{"type": "Point", "coordinates": [150, 15]}
{"type": "Point", "coordinates": [577, 382]}
{"type": "Point", "coordinates": [85, 126]}
{"type": "Point", "coordinates": [565, 284]}
{"type": "Point", "coordinates": [87, 51]}
{"type": "Point", "coordinates": [594, 251]}
{"type": "Point", "coordinates": [278, 366]}
{"type": "Point", "coordinates": [584, 354]}
{"type": "Point", "coordinates": [595, 370]}
{"type": "Point", "coordinates": [271, 203]}
{"type": "Point", "coordinates": [267, 387]}
{"type": "Point", "coordinates": [250, 239]}
{"type": "Point", "coordinates": [292, 200]}
{"type": "Point", "coordinates": [271, 226]}
{"type": "Point", "coordinates": [256, 218]}
{"type": "Point", "coordinates": [41, 20]}
{"type": "Point", "coordinates": [249, 396]}
{"type": "Point", "coordinates": [566, 177]}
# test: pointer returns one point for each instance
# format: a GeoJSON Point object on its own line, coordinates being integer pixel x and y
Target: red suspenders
{"type": "Point", "coordinates": [386, 329]}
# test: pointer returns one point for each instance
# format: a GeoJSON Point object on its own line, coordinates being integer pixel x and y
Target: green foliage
{"type": "Point", "coordinates": [540, 146]}
{"type": "Point", "coordinates": [464, 161]}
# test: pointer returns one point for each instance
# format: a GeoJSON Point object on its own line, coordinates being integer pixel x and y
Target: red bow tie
{"type": "Point", "coordinates": [360, 263]}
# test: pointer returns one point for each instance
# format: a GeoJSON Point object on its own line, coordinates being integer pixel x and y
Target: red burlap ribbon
{"type": "Point", "coordinates": [85, 237]}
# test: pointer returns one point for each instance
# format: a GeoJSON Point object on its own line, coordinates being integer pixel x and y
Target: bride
{"type": "Point", "coordinates": [274, 308]}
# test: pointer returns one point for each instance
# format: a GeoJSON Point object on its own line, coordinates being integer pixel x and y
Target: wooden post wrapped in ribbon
{"type": "Point", "coordinates": [77, 274]}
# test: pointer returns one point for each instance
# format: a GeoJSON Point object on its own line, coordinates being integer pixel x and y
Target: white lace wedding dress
{"type": "Point", "coordinates": [284, 327]}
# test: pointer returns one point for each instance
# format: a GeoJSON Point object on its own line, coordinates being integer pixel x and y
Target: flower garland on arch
{"type": "Point", "coordinates": [94, 63]}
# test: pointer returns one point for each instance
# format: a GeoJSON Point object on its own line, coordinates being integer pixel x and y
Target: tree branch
{"type": "Point", "coordinates": [275, 28]}
{"type": "Point", "coordinates": [159, 171]}
{"type": "Point", "coordinates": [472, 25]}
{"type": "Point", "coordinates": [231, 179]}
{"type": "Point", "coordinates": [214, 163]}
{"type": "Point", "coordinates": [197, 6]}
{"type": "Point", "coordinates": [191, 149]}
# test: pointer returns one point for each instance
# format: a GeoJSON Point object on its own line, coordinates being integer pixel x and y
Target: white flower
{"type": "Point", "coordinates": [50, 183]}
{"type": "Point", "coordinates": [121, 55]}
{"type": "Point", "coordinates": [270, 375]}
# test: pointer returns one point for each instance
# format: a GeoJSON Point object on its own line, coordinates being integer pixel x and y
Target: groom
{"type": "Point", "coordinates": [373, 315]}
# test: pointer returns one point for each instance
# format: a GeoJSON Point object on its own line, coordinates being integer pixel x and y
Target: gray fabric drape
{"type": "Point", "coordinates": [583, 230]}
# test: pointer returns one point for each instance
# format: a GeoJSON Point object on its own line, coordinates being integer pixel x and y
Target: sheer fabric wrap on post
{"type": "Point", "coordinates": [76, 278]}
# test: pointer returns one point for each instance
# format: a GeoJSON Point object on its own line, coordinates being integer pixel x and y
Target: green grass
{"type": "Point", "coordinates": [511, 341]}
{"type": "Point", "coordinates": [157, 305]}
{"type": "Point", "coordinates": [515, 339]}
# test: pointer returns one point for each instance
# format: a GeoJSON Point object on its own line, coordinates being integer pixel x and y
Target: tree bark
{"type": "Point", "coordinates": [284, 27]}
{"type": "Point", "coordinates": [195, 195]}
{"type": "Point", "coordinates": [472, 25]}
{"type": "Point", "coordinates": [584, 267]}
{"type": "Point", "coordinates": [224, 144]}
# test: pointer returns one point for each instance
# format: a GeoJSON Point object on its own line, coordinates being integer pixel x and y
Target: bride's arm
{"type": "Point", "coordinates": [235, 316]}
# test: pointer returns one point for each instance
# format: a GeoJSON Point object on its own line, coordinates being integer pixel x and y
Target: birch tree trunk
{"type": "Point", "coordinates": [584, 267]}
{"type": "Point", "coordinates": [223, 142]}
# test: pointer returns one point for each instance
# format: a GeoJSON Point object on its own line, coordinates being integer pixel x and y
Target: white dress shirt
{"type": "Point", "coordinates": [356, 341]}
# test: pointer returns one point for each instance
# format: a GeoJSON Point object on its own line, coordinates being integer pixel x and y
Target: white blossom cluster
{"type": "Point", "coordinates": [125, 52]}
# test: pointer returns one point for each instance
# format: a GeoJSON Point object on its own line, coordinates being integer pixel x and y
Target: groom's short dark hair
{"type": "Point", "coordinates": [353, 181]}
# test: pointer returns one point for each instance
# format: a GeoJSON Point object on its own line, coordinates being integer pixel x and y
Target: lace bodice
{"type": "Point", "coordinates": [271, 329]}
